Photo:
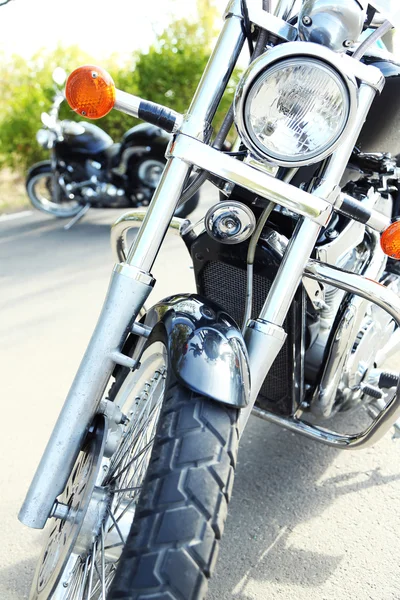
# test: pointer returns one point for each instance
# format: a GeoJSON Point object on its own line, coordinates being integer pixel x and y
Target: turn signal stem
{"type": "Point", "coordinates": [91, 92]}
{"type": "Point", "coordinates": [156, 114]}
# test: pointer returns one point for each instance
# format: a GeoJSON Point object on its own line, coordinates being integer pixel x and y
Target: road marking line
{"type": "Point", "coordinates": [20, 215]}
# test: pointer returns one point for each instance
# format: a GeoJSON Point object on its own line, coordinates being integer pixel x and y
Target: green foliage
{"type": "Point", "coordinates": [27, 90]}
{"type": "Point", "coordinates": [168, 73]}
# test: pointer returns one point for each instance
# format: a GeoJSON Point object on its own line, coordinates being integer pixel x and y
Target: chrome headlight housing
{"type": "Point", "coordinates": [294, 104]}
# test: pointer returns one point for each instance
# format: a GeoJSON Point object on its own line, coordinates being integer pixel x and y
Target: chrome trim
{"type": "Point", "coordinates": [130, 220]}
{"type": "Point", "coordinates": [377, 221]}
{"type": "Point", "coordinates": [230, 222]}
{"type": "Point", "coordinates": [336, 23]}
{"type": "Point", "coordinates": [356, 284]}
{"type": "Point", "coordinates": [280, 54]}
{"type": "Point", "coordinates": [284, 8]}
{"type": "Point", "coordinates": [206, 350]}
{"type": "Point", "coordinates": [127, 103]}
{"type": "Point", "coordinates": [262, 184]}
{"type": "Point", "coordinates": [290, 273]}
{"type": "Point", "coordinates": [271, 23]}
{"type": "Point", "coordinates": [264, 341]}
{"type": "Point", "coordinates": [159, 215]}
{"type": "Point", "coordinates": [388, 301]}
{"type": "Point", "coordinates": [360, 441]}
{"type": "Point", "coordinates": [329, 185]}
{"type": "Point", "coordinates": [134, 274]}
{"type": "Point", "coordinates": [130, 104]}
{"type": "Point", "coordinates": [197, 122]}
{"type": "Point", "coordinates": [126, 294]}
{"type": "Point", "coordinates": [351, 236]}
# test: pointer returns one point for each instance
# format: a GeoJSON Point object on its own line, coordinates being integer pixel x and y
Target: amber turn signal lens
{"type": "Point", "coordinates": [390, 240]}
{"type": "Point", "coordinates": [90, 92]}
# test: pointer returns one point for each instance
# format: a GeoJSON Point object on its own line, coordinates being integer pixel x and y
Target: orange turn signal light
{"type": "Point", "coordinates": [390, 240]}
{"type": "Point", "coordinates": [90, 92]}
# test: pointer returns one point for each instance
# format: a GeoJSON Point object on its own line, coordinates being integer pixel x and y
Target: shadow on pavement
{"type": "Point", "coordinates": [276, 489]}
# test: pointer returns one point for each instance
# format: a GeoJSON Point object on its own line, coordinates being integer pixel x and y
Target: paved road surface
{"type": "Point", "coordinates": [306, 522]}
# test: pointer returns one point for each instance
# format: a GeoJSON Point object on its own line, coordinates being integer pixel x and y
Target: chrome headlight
{"type": "Point", "coordinates": [293, 105]}
{"type": "Point", "coordinates": [43, 138]}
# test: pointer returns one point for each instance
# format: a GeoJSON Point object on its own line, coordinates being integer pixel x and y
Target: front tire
{"type": "Point", "coordinates": [41, 192]}
{"type": "Point", "coordinates": [172, 546]}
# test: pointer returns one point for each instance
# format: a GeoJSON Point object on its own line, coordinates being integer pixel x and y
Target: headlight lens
{"type": "Point", "coordinates": [296, 111]}
{"type": "Point", "coordinates": [43, 138]}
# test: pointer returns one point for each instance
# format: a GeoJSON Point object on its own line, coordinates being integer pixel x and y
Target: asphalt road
{"type": "Point", "coordinates": [306, 522]}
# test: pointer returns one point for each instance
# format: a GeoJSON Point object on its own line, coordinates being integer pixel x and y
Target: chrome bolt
{"type": "Point", "coordinates": [348, 43]}
{"type": "Point", "coordinates": [307, 21]}
{"type": "Point", "coordinates": [65, 584]}
{"type": "Point", "coordinates": [59, 510]}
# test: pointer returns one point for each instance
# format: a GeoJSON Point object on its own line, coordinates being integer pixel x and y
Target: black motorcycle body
{"type": "Point", "coordinates": [88, 169]}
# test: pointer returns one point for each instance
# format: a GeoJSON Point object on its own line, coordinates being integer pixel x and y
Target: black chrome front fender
{"type": "Point", "coordinates": [206, 350]}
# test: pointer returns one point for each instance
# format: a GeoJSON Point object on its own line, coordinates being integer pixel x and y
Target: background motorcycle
{"type": "Point", "coordinates": [87, 169]}
{"type": "Point", "coordinates": [139, 469]}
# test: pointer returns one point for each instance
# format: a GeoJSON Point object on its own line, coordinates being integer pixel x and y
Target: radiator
{"type": "Point", "coordinates": [225, 284]}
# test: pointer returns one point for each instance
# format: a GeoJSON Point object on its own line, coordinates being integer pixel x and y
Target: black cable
{"type": "Point", "coordinates": [246, 25]}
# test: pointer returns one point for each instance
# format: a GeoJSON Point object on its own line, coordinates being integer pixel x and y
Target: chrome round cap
{"type": "Point", "coordinates": [230, 222]}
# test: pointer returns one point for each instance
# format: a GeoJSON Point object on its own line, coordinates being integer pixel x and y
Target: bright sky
{"type": "Point", "coordinates": [100, 27]}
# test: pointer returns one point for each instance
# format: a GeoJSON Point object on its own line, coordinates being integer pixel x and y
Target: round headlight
{"type": "Point", "coordinates": [294, 111]}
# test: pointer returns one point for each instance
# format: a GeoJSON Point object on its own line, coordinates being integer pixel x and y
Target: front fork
{"type": "Point", "coordinates": [130, 286]}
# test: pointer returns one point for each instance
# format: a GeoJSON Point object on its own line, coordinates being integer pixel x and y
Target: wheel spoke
{"type": "Point", "coordinates": [84, 579]}
{"type": "Point", "coordinates": [103, 565]}
{"type": "Point", "coordinates": [115, 524]}
{"type": "Point", "coordinates": [92, 563]}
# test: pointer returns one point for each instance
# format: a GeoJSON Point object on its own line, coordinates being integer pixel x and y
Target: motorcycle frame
{"type": "Point", "coordinates": [132, 282]}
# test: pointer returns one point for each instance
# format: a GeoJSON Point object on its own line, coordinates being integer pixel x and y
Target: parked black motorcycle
{"type": "Point", "coordinates": [87, 169]}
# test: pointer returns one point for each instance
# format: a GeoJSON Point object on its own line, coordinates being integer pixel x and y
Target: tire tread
{"type": "Point", "coordinates": [172, 547]}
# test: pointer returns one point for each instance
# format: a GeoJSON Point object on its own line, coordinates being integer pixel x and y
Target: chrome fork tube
{"type": "Point", "coordinates": [144, 250]}
{"type": "Point", "coordinates": [340, 158]}
{"type": "Point", "coordinates": [290, 273]}
{"type": "Point", "coordinates": [129, 288]}
{"type": "Point", "coordinates": [265, 336]}
{"type": "Point", "coordinates": [201, 112]}
{"type": "Point", "coordinates": [216, 75]}
{"type": "Point", "coordinates": [284, 8]}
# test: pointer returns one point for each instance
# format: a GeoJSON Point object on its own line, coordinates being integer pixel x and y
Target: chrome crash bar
{"type": "Point", "coordinates": [350, 282]}
{"type": "Point", "coordinates": [388, 301]}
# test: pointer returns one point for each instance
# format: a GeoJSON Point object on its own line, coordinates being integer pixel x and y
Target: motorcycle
{"type": "Point", "coordinates": [87, 169]}
{"type": "Point", "coordinates": [297, 310]}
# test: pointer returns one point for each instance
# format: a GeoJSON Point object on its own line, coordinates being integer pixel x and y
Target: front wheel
{"type": "Point", "coordinates": [44, 196]}
{"type": "Point", "coordinates": [150, 515]}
